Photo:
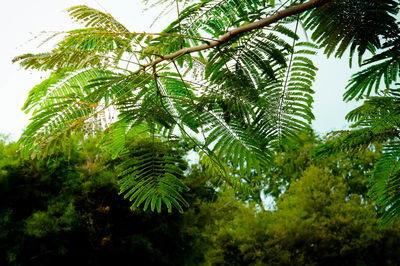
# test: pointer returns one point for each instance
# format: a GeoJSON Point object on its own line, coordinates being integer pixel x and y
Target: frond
{"type": "Point", "coordinates": [378, 113]}
{"type": "Point", "coordinates": [380, 68]}
{"type": "Point", "coordinates": [74, 101]}
{"type": "Point", "coordinates": [57, 61]}
{"type": "Point", "coordinates": [286, 103]}
{"type": "Point", "coordinates": [116, 135]}
{"type": "Point", "coordinates": [80, 49]}
{"type": "Point", "coordinates": [386, 181]}
{"type": "Point", "coordinates": [61, 85]}
{"type": "Point", "coordinates": [93, 18]}
{"type": "Point", "coordinates": [355, 24]}
{"type": "Point", "coordinates": [151, 176]}
{"type": "Point", "coordinates": [103, 41]}
{"type": "Point", "coordinates": [60, 107]}
{"type": "Point", "coordinates": [376, 121]}
{"type": "Point", "coordinates": [233, 143]}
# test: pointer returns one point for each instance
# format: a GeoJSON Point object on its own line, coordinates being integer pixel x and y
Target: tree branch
{"type": "Point", "coordinates": [242, 29]}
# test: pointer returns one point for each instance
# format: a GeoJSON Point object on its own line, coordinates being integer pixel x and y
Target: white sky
{"type": "Point", "coordinates": [21, 20]}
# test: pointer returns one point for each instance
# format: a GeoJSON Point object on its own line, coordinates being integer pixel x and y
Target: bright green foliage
{"type": "Point", "coordinates": [253, 92]}
{"type": "Point", "coordinates": [8, 151]}
{"type": "Point", "coordinates": [243, 96]}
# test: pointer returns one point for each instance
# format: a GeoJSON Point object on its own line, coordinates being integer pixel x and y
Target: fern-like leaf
{"type": "Point", "coordinates": [151, 175]}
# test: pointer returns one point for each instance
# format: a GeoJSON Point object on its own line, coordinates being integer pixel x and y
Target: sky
{"type": "Point", "coordinates": [22, 20]}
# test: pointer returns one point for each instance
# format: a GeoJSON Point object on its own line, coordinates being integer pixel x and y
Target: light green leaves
{"type": "Point", "coordinates": [254, 91]}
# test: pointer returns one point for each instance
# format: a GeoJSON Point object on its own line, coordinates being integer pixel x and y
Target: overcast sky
{"type": "Point", "coordinates": [22, 20]}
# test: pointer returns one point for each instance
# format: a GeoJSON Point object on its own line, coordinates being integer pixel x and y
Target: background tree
{"type": "Point", "coordinates": [318, 220]}
{"type": "Point", "coordinates": [355, 167]}
{"type": "Point", "coordinates": [65, 209]}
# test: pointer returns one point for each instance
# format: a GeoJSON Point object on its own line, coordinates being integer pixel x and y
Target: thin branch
{"type": "Point", "coordinates": [285, 85]}
{"type": "Point", "coordinates": [179, 21]}
{"type": "Point", "coordinates": [243, 29]}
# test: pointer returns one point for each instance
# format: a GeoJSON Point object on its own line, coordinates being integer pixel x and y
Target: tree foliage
{"type": "Point", "coordinates": [233, 77]}
{"type": "Point", "coordinates": [317, 222]}
{"type": "Point", "coordinates": [64, 209]}
{"type": "Point", "coordinates": [355, 167]}
{"type": "Point", "coordinates": [375, 121]}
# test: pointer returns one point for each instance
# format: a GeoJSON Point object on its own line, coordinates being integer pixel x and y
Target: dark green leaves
{"type": "Point", "coordinates": [380, 71]}
{"type": "Point", "coordinates": [376, 121]}
{"type": "Point", "coordinates": [357, 24]}
{"type": "Point", "coordinates": [253, 92]}
{"type": "Point", "coordinates": [151, 175]}
{"type": "Point", "coordinates": [386, 188]}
